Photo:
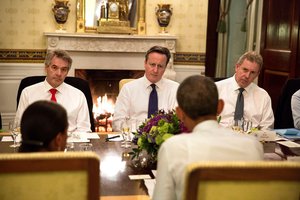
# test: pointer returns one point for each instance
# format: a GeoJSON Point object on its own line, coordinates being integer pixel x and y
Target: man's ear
{"type": "Point", "coordinates": [58, 140]}
{"type": "Point", "coordinates": [179, 113]}
{"type": "Point", "coordinates": [220, 106]}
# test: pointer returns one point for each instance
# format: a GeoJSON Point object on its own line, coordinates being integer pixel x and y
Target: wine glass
{"type": "Point", "coordinates": [125, 128]}
{"type": "Point", "coordinates": [14, 130]}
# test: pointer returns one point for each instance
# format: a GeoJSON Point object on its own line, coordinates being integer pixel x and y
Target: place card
{"type": "Point", "coordinates": [93, 135]}
{"type": "Point", "coordinates": [265, 135]}
{"type": "Point", "coordinates": [10, 139]}
{"type": "Point", "coordinates": [153, 172]}
{"type": "Point", "coordinates": [289, 144]}
{"type": "Point", "coordinates": [139, 176]}
{"type": "Point", "coordinates": [150, 184]}
{"type": "Point", "coordinates": [7, 139]}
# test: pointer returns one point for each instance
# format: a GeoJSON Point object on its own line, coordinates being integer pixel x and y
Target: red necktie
{"type": "Point", "coordinates": [53, 92]}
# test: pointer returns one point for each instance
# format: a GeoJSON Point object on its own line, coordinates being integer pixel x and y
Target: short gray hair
{"type": "Point", "coordinates": [64, 55]}
{"type": "Point", "coordinates": [252, 56]}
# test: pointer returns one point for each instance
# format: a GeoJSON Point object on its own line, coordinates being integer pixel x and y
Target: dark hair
{"type": "Point", "coordinates": [252, 56]}
{"type": "Point", "coordinates": [198, 96]}
{"type": "Point", "coordinates": [64, 55]}
{"type": "Point", "coordinates": [161, 50]}
{"type": "Point", "coordinates": [40, 124]}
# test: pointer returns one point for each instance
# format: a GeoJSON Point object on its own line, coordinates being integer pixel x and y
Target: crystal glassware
{"type": "Point", "coordinates": [14, 130]}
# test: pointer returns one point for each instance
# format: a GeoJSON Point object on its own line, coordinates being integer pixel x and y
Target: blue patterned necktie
{"type": "Point", "coordinates": [153, 101]}
{"type": "Point", "coordinates": [239, 107]}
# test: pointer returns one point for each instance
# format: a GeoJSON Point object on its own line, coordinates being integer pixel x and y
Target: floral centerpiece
{"type": "Point", "coordinates": [154, 131]}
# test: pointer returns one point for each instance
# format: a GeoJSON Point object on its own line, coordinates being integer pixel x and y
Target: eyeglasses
{"type": "Point", "coordinates": [55, 68]}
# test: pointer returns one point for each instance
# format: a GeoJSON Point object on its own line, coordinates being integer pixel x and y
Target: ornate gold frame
{"type": "Point", "coordinates": [80, 19]}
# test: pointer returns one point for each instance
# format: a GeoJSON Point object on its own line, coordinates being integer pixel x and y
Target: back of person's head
{"type": "Point", "coordinates": [252, 56]}
{"type": "Point", "coordinates": [41, 122]}
{"type": "Point", "coordinates": [161, 50]}
{"type": "Point", "coordinates": [58, 53]}
{"type": "Point", "coordinates": [198, 96]}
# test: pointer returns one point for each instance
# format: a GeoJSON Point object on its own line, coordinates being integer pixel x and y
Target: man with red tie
{"type": "Point", "coordinates": [57, 66]}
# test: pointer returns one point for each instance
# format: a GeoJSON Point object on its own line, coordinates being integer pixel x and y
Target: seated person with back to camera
{"type": "Point", "coordinates": [44, 126]}
{"type": "Point", "coordinates": [208, 141]}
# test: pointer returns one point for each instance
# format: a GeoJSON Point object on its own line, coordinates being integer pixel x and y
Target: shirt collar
{"type": "Point", "coordinates": [205, 125]}
{"type": "Point", "coordinates": [158, 84]}
{"type": "Point", "coordinates": [48, 86]}
{"type": "Point", "coordinates": [235, 85]}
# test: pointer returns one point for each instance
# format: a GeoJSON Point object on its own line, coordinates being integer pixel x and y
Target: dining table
{"type": "Point", "coordinates": [116, 166]}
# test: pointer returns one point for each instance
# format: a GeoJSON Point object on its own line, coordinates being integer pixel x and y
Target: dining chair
{"type": "Point", "coordinates": [283, 113]}
{"type": "Point", "coordinates": [123, 82]}
{"type": "Point", "coordinates": [260, 180]}
{"type": "Point", "coordinates": [49, 176]}
{"type": "Point", "coordinates": [79, 83]}
{"type": "Point", "coordinates": [0, 121]}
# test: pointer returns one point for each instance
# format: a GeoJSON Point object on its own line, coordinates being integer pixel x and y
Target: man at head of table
{"type": "Point", "coordinates": [57, 65]}
{"type": "Point", "coordinates": [256, 103]}
{"type": "Point", "coordinates": [142, 97]}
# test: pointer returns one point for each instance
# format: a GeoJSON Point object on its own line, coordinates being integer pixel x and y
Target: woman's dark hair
{"type": "Point", "coordinates": [40, 124]}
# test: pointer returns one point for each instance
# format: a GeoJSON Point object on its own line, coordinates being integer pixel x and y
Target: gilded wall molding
{"type": "Point", "coordinates": [22, 55]}
{"type": "Point", "coordinates": [189, 58]}
{"type": "Point", "coordinates": [38, 56]}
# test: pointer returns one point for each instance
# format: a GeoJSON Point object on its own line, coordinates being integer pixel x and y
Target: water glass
{"type": "Point", "coordinates": [126, 133]}
{"type": "Point", "coordinates": [86, 147]}
{"type": "Point", "coordinates": [14, 130]}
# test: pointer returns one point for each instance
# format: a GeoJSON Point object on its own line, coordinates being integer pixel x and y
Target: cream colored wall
{"type": "Point", "coordinates": [188, 22]}
{"type": "Point", "coordinates": [23, 23]}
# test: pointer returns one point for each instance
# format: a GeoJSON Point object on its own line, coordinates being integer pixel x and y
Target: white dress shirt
{"type": "Point", "coordinates": [133, 99]}
{"type": "Point", "coordinates": [257, 104]}
{"type": "Point", "coordinates": [207, 142]}
{"type": "Point", "coordinates": [295, 104]}
{"type": "Point", "coordinates": [71, 98]}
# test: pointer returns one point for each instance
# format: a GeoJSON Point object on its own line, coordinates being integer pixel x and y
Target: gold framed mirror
{"type": "Point", "coordinates": [105, 16]}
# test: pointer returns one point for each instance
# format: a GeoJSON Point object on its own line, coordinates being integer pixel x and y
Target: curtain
{"type": "Point", "coordinates": [221, 64]}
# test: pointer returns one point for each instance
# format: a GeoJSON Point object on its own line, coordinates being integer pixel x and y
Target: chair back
{"type": "Point", "coordinates": [74, 81]}
{"type": "Point", "coordinates": [49, 176]}
{"type": "Point", "coordinates": [283, 113]}
{"type": "Point", "coordinates": [123, 82]}
{"type": "Point", "coordinates": [260, 180]}
{"type": "Point", "coordinates": [0, 121]}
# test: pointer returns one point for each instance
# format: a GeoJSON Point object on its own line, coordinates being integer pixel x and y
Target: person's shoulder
{"type": "Point", "coordinates": [176, 140]}
{"type": "Point", "coordinates": [133, 83]}
{"type": "Point", "coordinates": [34, 86]}
{"type": "Point", "coordinates": [297, 93]}
{"type": "Point", "coordinates": [244, 138]}
{"type": "Point", "coordinates": [170, 83]}
{"type": "Point", "coordinates": [72, 88]}
{"type": "Point", "coordinates": [223, 81]}
{"type": "Point", "coordinates": [259, 90]}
